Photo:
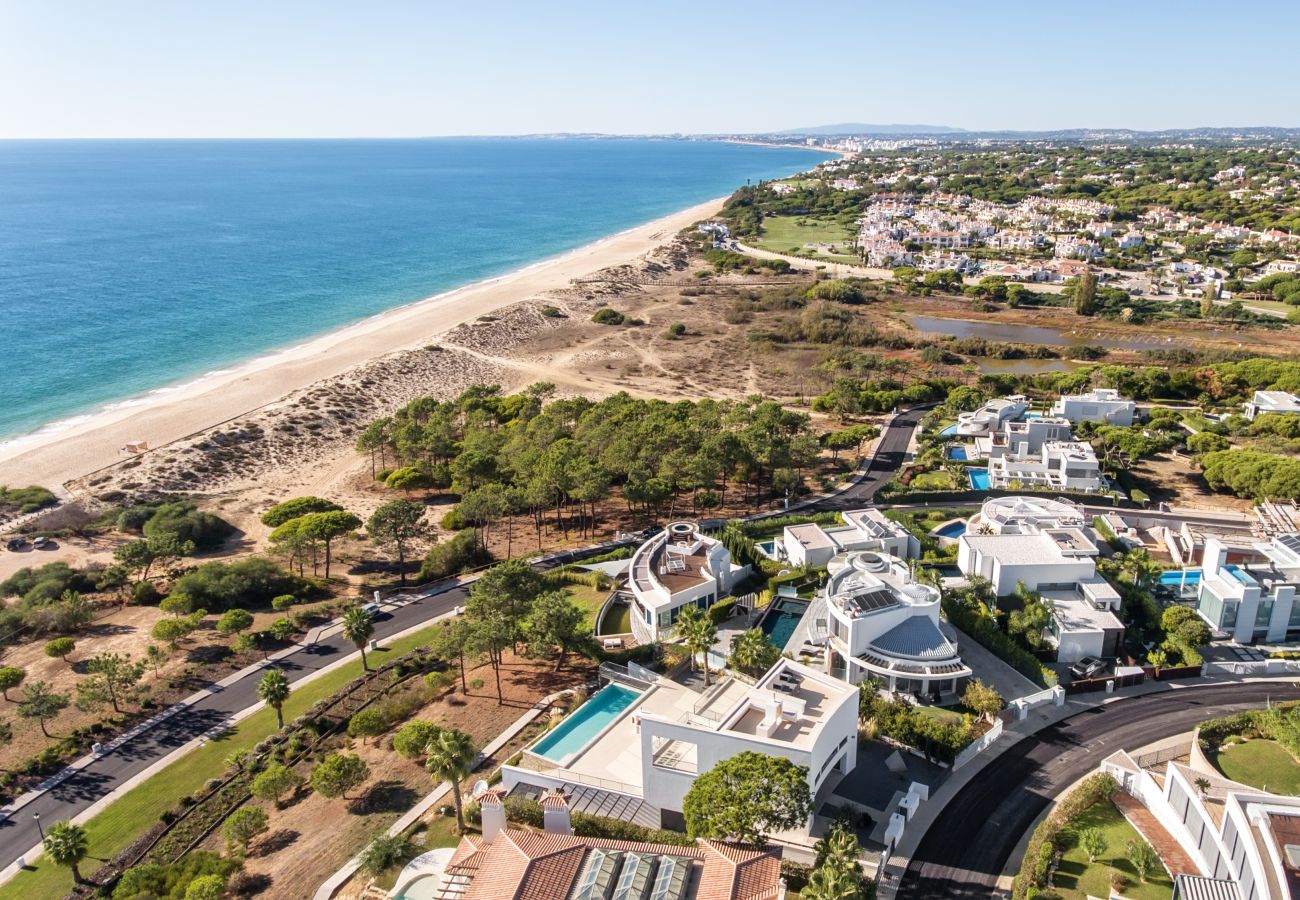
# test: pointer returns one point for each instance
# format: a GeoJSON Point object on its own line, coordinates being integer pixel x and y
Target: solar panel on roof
{"type": "Point", "coordinates": [1291, 542]}
{"type": "Point", "coordinates": [875, 599]}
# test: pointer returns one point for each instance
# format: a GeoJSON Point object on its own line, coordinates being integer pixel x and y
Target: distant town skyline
{"type": "Point", "coordinates": [145, 68]}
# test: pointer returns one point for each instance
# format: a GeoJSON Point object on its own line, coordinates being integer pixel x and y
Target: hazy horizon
{"type": "Point", "coordinates": [150, 69]}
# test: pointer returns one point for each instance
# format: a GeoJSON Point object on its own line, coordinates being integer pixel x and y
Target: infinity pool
{"type": "Point", "coordinates": [585, 722]}
{"type": "Point", "coordinates": [951, 530]}
{"type": "Point", "coordinates": [1175, 577]}
{"type": "Point", "coordinates": [948, 432]}
{"type": "Point", "coordinates": [979, 479]}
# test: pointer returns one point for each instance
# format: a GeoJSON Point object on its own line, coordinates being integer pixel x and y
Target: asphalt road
{"type": "Point", "coordinates": [888, 460]}
{"type": "Point", "coordinates": [20, 833]}
{"type": "Point", "coordinates": [969, 845]}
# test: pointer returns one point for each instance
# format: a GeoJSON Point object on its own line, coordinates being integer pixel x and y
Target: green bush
{"type": "Point", "coordinates": [151, 881]}
{"type": "Point", "coordinates": [188, 524]}
{"type": "Point", "coordinates": [450, 557]}
{"type": "Point", "coordinates": [25, 500]}
{"type": "Point", "coordinates": [1033, 873]}
{"type": "Point", "coordinates": [988, 635]}
{"type": "Point", "coordinates": [607, 316]}
{"type": "Point", "coordinates": [245, 584]}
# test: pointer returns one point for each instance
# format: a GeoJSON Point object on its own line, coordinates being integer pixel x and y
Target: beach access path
{"type": "Point", "coordinates": [54, 458]}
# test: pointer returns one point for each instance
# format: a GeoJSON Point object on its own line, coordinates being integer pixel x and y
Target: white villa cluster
{"type": "Point", "coordinates": [884, 627]}
{"type": "Point", "coordinates": [862, 529]}
{"type": "Point", "coordinates": [1048, 546]}
{"type": "Point", "coordinates": [1245, 842]}
{"type": "Point", "coordinates": [1272, 402]}
{"type": "Point", "coordinates": [1253, 602]}
{"type": "Point", "coordinates": [1029, 450]}
{"type": "Point", "coordinates": [642, 740]}
{"type": "Point", "coordinates": [678, 567]}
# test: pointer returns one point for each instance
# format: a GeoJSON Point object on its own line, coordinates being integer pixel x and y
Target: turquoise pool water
{"type": "Point", "coordinates": [768, 547]}
{"type": "Point", "coordinates": [949, 431]}
{"type": "Point", "coordinates": [585, 722]}
{"type": "Point", "coordinates": [957, 453]}
{"type": "Point", "coordinates": [979, 479]}
{"type": "Point", "coordinates": [1175, 577]}
{"type": "Point", "coordinates": [1240, 574]}
{"type": "Point", "coordinates": [951, 530]}
{"type": "Point", "coordinates": [780, 622]}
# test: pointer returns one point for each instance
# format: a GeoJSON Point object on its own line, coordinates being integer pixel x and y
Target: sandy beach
{"type": "Point", "coordinates": [56, 458]}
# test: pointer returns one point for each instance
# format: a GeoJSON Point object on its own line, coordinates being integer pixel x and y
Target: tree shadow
{"type": "Point", "coordinates": [275, 841]}
{"type": "Point", "coordinates": [385, 796]}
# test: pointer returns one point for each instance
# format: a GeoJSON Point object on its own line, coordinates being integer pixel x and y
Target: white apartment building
{"type": "Point", "coordinates": [862, 529]}
{"type": "Point", "coordinates": [678, 567]}
{"type": "Point", "coordinates": [1256, 601]}
{"type": "Point", "coordinates": [1023, 437]}
{"type": "Point", "coordinates": [1272, 402]}
{"type": "Point", "coordinates": [884, 627]}
{"type": "Point", "coordinates": [660, 735]}
{"type": "Point", "coordinates": [1067, 465]}
{"type": "Point", "coordinates": [1077, 248]}
{"type": "Point", "coordinates": [1245, 842]}
{"type": "Point", "coordinates": [1098, 405]}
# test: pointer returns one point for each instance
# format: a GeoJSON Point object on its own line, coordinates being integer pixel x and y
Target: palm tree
{"type": "Point", "coordinates": [274, 690]}
{"type": "Point", "coordinates": [357, 628]}
{"type": "Point", "coordinates": [698, 633]}
{"type": "Point", "coordinates": [450, 755]}
{"type": "Point", "coordinates": [67, 844]}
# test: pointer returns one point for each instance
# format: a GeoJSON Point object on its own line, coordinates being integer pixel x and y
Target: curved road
{"type": "Point", "coordinates": [19, 833]}
{"type": "Point", "coordinates": [966, 849]}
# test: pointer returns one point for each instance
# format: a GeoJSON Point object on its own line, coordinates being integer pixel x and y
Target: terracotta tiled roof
{"type": "Point", "coordinates": [538, 865]}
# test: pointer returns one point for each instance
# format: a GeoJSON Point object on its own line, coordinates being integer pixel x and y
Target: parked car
{"type": "Point", "coordinates": [15, 544]}
{"type": "Point", "coordinates": [1088, 667]}
{"type": "Point", "coordinates": [41, 542]}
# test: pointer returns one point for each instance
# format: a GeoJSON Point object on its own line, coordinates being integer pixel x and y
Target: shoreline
{"type": "Point", "coordinates": [76, 446]}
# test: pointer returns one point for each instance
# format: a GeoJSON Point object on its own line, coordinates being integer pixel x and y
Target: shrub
{"type": "Point", "coordinates": [456, 555]}
{"type": "Point", "coordinates": [1032, 876]}
{"type": "Point", "coordinates": [607, 316]}
{"type": "Point", "coordinates": [387, 851]}
{"type": "Point", "coordinates": [188, 524]}
{"type": "Point", "coordinates": [243, 826]}
{"type": "Point", "coordinates": [59, 648]}
{"type": "Point", "coordinates": [246, 583]}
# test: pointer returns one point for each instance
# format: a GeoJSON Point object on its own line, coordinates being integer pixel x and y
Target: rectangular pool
{"type": "Point", "coordinates": [781, 619]}
{"type": "Point", "coordinates": [957, 453]}
{"type": "Point", "coordinates": [585, 722]}
{"type": "Point", "coordinates": [951, 530]}
{"type": "Point", "coordinates": [979, 479]}
{"type": "Point", "coordinates": [1176, 577]}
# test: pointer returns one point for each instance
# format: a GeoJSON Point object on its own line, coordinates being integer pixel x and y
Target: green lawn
{"type": "Point", "coordinates": [1076, 878]}
{"type": "Point", "coordinates": [1260, 763]}
{"type": "Point", "coordinates": [949, 716]}
{"type": "Point", "coordinates": [588, 599]}
{"type": "Point", "coordinates": [781, 234]}
{"type": "Point", "coordinates": [937, 480]}
{"type": "Point", "coordinates": [119, 824]}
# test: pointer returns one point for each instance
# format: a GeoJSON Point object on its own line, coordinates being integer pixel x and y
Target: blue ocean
{"type": "Point", "coordinates": [126, 266]}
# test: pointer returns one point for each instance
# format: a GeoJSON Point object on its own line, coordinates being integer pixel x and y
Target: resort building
{"type": "Point", "coordinates": [991, 416]}
{"type": "Point", "coordinates": [678, 567]}
{"type": "Point", "coordinates": [1098, 405]}
{"type": "Point", "coordinates": [1233, 841]}
{"type": "Point", "coordinates": [1272, 402]}
{"type": "Point", "coordinates": [884, 627]}
{"type": "Point", "coordinates": [1252, 602]}
{"type": "Point", "coordinates": [639, 743]}
{"type": "Point", "coordinates": [1065, 465]}
{"type": "Point", "coordinates": [1046, 545]}
{"type": "Point", "coordinates": [553, 864]}
{"type": "Point", "coordinates": [862, 529]}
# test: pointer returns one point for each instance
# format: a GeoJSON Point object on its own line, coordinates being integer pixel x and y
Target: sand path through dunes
{"type": "Point", "coordinates": [53, 459]}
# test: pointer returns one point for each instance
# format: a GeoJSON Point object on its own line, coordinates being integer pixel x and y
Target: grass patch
{"type": "Point", "coordinates": [1261, 763]}
{"type": "Point", "coordinates": [118, 825]}
{"type": "Point", "coordinates": [589, 600]}
{"type": "Point", "coordinates": [1076, 878]}
{"type": "Point", "coordinates": [937, 480]}
{"type": "Point", "coordinates": [782, 233]}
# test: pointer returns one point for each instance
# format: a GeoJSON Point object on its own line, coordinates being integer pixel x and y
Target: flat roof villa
{"type": "Point", "coordinates": [862, 529]}
{"type": "Point", "coordinates": [884, 627]}
{"type": "Point", "coordinates": [991, 416]}
{"type": "Point", "coordinates": [1046, 545]}
{"type": "Point", "coordinates": [1065, 465]}
{"type": "Point", "coordinates": [554, 864]}
{"type": "Point", "coordinates": [1272, 402]}
{"type": "Point", "coordinates": [1240, 842]}
{"type": "Point", "coordinates": [678, 567]}
{"type": "Point", "coordinates": [1024, 437]}
{"type": "Point", "coordinates": [1098, 405]}
{"type": "Point", "coordinates": [1255, 601]}
{"type": "Point", "coordinates": [653, 748]}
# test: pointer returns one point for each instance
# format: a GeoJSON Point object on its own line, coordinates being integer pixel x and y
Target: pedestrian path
{"type": "Point", "coordinates": [1171, 853]}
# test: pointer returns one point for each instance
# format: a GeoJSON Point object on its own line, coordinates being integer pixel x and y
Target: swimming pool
{"type": "Point", "coordinates": [951, 530]}
{"type": "Point", "coordinates": [767, 548]}
{"type": "Point", "coordinates": [585, 722]}
{"type": "Point", "coordinates": [1240, 574]}
{"type": "Point", "coordinates": [1176, 577]}
{"type": "Point", "coordinates": [979, 479]}
{"type": "Point", "coordinates": [780, 621]}
{"type": "Point", "coordinates": [957, 453]}
{"type": "Point", "coordinates": [948, 432]}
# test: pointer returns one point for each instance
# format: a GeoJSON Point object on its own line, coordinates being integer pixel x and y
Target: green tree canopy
{"type": "Point", "coordinates": [746, 796]}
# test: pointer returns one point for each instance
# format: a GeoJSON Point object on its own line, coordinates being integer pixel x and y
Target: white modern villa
{"type": "Point", "coordinates": [862, 529]}
{"type": "Point", "coordinates": [1048, 546]}
{"type": "Point", "coordinates": [1103, 405]}
{"type": "Point", "coordinates": [1242, 843]}
{"type": "Point", "coordinates": [1256, 601]}
{"type": "Point", "coordinates": [678, 567]}
{"type": "Point", "coordinates": [884, 627]}
{"type": "Point", "coordinates": [1065, 465]}
{"type": "Point", "coordinates": [640, 742]}
{"type": "Point", "coordinates": [991, 416]}
{"type": "Point", "coordinates": [1272, 402]}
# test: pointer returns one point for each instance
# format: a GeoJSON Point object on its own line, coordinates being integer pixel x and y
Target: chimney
{"type": "Point", "coordinates": [493, 809]}
{"type": "Point", "coordinates": [555, 812]}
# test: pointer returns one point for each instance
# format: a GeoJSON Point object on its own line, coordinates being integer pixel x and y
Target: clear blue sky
{"type": "Point", "coordinates": [235, 68]}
